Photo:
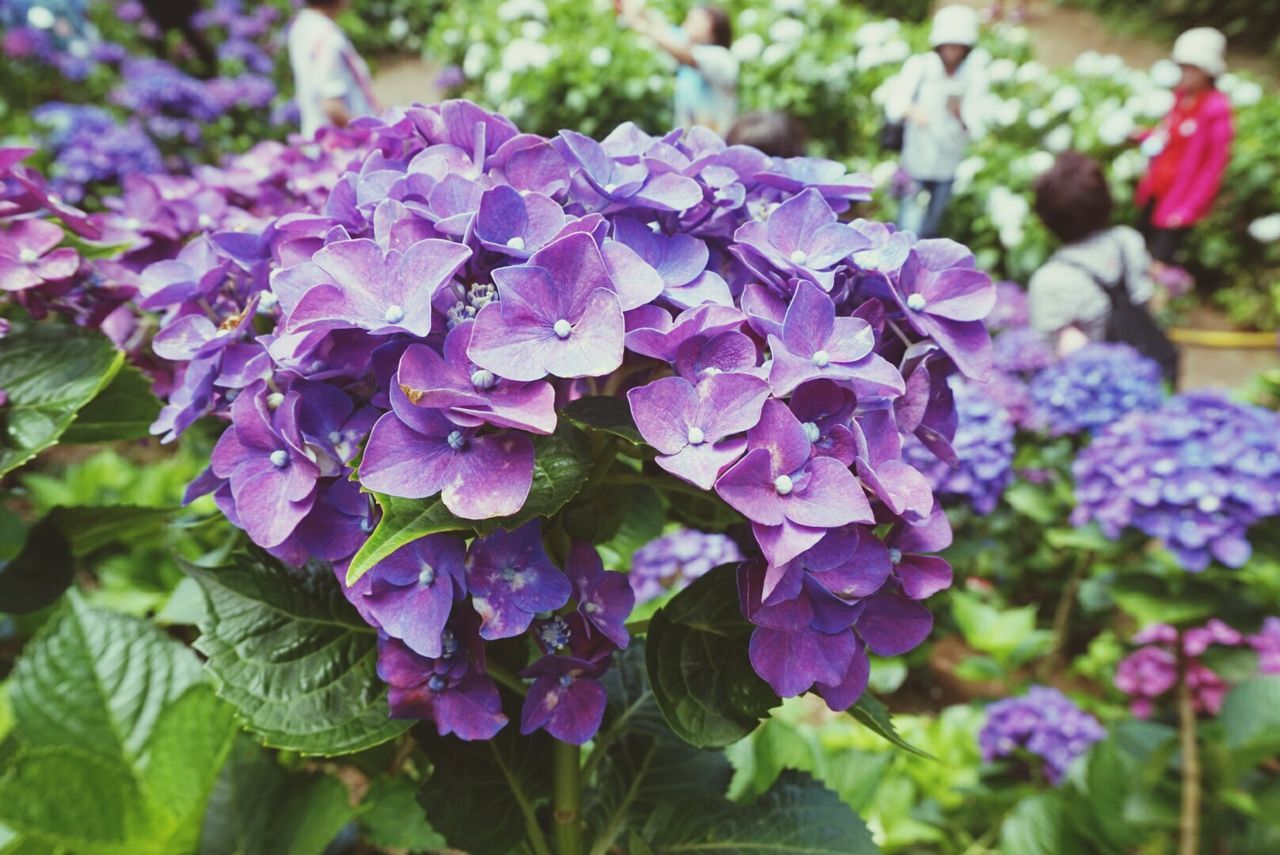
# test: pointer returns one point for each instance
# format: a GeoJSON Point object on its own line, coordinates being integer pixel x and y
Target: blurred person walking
{"type": "Point", "coordinates": [1189, 149]}
{"type": "Point", "coordinates": [1096, 285]}
{"type": "Point", "coordinates": [331, 80]}
{"type": "Point", "coordinates": [706, 91]}
{"type": "Point", "coordinates": [936, 99]}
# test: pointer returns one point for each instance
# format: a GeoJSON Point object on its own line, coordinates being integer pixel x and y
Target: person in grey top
{"type": "Point", "coordinates": [1067, 303]}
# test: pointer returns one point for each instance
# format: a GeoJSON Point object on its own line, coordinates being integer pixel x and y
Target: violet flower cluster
{"type": "Point", "coordinates": [91, 147]}
{"type": "Point", "coordinates": [1043, 723]}
{"type": "Point", "coordinates": [1095, 386]}
{"type": "Point", "coordinates": [670, 562]}
{"type": "Point", "coordinates": [424, 322]}
{"type": "Point", "coordinates": [983, 447]}
{"type": "Point", "coordinates": [1150, 673]}
{"type": "Point", "coordinates": [1194, 474]}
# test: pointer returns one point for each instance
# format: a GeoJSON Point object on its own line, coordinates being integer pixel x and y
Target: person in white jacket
{"type": "Point", "coordinates": [938, 96]}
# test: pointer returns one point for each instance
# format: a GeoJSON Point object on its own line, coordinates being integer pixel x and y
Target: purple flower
{"type": "Point", "coordinates": [815, 344]}
{"type": "Point", "coordinates": [271, 476]}
{"type": "Point", "coordinates": [921, 575]}
{"type": "Point", "coordinates": [449, 691]}
{"type": "Point", "coordinates": [415, 453]}
{"type": "Point", "coordinates": [672, 561]}
{"type": "Point", "coordinates": [801, 238]}
{"type": "Point", "coordinates": [413, 591]}
{"type": "Point", "coordinates": [565, 698]}
{"type": "Point", "coordinates": [30, 256]}
{"type": "Point", "coordinates": [473, 395]}
{"type": "Point", "coordinates": [695, 429]}
{"type": "Point", "coordinates": [681, 260]}
{"type": "Point", "coordinates": [565, 321]}
{"type": "Point", "coordinates": [511, 579]}
{"type": "Point", "coordinates": [942, 295]}
{"type": "Point", "coordinates": [1195, 474]}
{"type": "Point", "coordinates": [1094, 387]}
{"type": "Point", "coordinates": [380, 291]}
{"type": "Point", "coordinates": [604, 599]}
{"type": "Point", "coordinates": [983, 446]}
{"type": "Point", "coordinates": [515, 224]}
{"type": "Point", "coordinates": [789, 498]}
{"type": "Point", "coordinates": [1043, 723]}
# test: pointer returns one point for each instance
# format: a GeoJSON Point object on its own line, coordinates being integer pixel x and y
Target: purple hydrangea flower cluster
{"type": "Point", "coordinates": [672, 561]}
{"type": "Point", "coordinates": [1095, 386]}
{"type": "Point", "coordinates": [983, 446]}
{"type": "Point", "coordinates": [90, 147]}
{"type": "Point", "coordinates": [1044, 723]}
{"type": "Point", "coordinates": [1151, 672]}
{"type": "Point", "coordinates": [1195, 474]}
{"type": "Point", "coordinates": [439, 301]}
{"type": "Point", "coordinates": [1012, 310]}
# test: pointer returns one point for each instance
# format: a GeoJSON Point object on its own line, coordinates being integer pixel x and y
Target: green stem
{"type": "Point", "coordinates": [566, 770]}
{"type": "Point", "coordinates": [604, 462]}
{"type": "Point", "coordinates": [506, 678]}
{"type": "Point", "coordinates": [1189, 815]}
{"type": "Point", "coordinates": [1062, 616]}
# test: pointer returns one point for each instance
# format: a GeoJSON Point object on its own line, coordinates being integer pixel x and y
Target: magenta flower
{"type": "Point", "coordinates": [565, 698]}
{"type": "Point", "coordinates": [30, 256]}
{"type": "Point", "coordinates": [604, 599]}
{"type": "Point", "coordinates": [921, 575]}
{"type": "Point", "coordinates": [515, 224]}
{"type": "Point", "coordinates": [800, 239]}
{"type": "Point", "coordinates": [695, 429]}
{"type": "Point", "coordinates": [944, 296]}
{"type": "Point", "coordinates": [790, 498]}
{"type": "Point", "coordinates": [449, 691]}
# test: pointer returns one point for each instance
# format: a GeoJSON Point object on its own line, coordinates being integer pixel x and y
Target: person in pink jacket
{"type": "Point", "coordinates": [1190, 149]}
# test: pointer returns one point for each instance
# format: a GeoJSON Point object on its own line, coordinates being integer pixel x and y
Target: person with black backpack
{"type": "Point", "coordinates": [1096, 286]}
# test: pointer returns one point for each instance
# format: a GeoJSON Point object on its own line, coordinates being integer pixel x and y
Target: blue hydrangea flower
{"type": "Point", "coordinates": [1094, 386]}
{"type": "Point", "coordinates": [984, 448]}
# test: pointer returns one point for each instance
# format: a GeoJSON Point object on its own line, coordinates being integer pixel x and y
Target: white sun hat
{"type": "Point", "coordinates": [1203, 47]}
{"type": "Point", "coordinates": [954, 25]}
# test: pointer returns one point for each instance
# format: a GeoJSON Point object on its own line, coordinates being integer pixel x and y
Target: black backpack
{"type": "Point", "coordinates": [1131, 324]}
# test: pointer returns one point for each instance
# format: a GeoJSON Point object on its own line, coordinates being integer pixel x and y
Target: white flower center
{"type": "Point", "coordinates": [917, 302]}
{"type": "Point", "coordinates": [610, 187]}
{"type": "Point", "coordinates": [1208, 504]}
{"type": "Point", "coordinates": [456, 440]}
{"type": "Point", "coordinates": [427, 576]}
{"type": "Point", "coordinates": [394, 314]}
{"type": "Point", "coordinates": [563, 328]}
{"type": "Point", "coordinates": [133, 223]}
{"type": "Point", "coordinates": [811, 431]}
{"type": "Point", "coordinates": [516, 243]}
{"type": "Point", "coordinates": [335, 437]}
{"type": "Point", "coordinates": [28, 256]}
{"type": "Point", "coordinates": [821, 359]}
{"type": "Point", "coordinates": [274, 400]}
{"type": "Point", "coordinates": [483, 379]}
{"type": "Point", "coordinates": [783, 484]}
{"type": "Point", "coordinates": [205, 221]}
{"type": "Point", "coordinates": [895, 555]}
{"type": "Point", "coordinates": [279, 458]}
{"type": "Point", "coordinates": [799, 257]}
{"type": "Point", "coordinates": [696, 436]}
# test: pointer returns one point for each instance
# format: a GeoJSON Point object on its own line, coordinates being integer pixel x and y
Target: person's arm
{"type": "Point", "coordinates": [332, 82]}
{"type": "Point", "coordinates": [973, 104]}
{"type": "Point", "coordinates": [647, 23]}
{"type": "Point", "coordinates": [1207, 176]}
{"type": "Point", "coordinates": [899, 106]}
{"type": "Point", "coordinates": [335, 110]}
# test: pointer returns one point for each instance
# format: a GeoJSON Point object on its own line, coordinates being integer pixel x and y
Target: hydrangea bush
{"type": "Point", "coordinates": [1043, 723]}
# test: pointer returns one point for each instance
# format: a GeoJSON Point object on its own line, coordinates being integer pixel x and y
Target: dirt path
{"type": "Point", "coordinates": [401, 81]}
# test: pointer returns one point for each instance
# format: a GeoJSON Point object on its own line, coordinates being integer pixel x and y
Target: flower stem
{"type": "Point", "coordinates": [1189, 816]}
{"type": "Point", "coordinates": [566, 770]}
{"type": "Point", "coordinates": [1062, 616]}
{"type": "Point", "coordinates": [506, 678]}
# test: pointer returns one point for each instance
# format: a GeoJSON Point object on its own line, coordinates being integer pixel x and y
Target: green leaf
{"type": "Point", "coordinates": [561, 465]}
{"type": "Point", "coordinates": [50, 373]}
{"type": "Point", "coordinates": [874, 715]}
{"type": "Point", "coordinates": [123, 410]}
{"type": "Point", "coordinates": [258, 808]}
{"type": "Point", "coordinates": [798, 815]}
{"type": "Point", "coordinates": [293, 656]}
{"type": "Point", "coordinates": [1251, 718]}
{"type": "Point", "coordinates": [1151, 600]}
{"type": "Point", "coordinates": [403, 521]}
{"type": "Point", "coordinates": [391, 817]}
{"type": "Point", "coordinates": [696, 656]}
{"type": "Point", "coordinates": [92, 528]}
{"type": "Point", "coordinates": [1034, 501]}
{"type": "Point", "coordinates": [37, 575]}
{"type": "Point", "coordinates": [1039, 826]}
{"type": "Point", "coordinates": [118, 743]}
{"type": "Point", "coordinates": [606, 413]}
{"type": "Point", "coordinates": [646, 514]}
{"type": "Point", "coordinates": [484, 796]}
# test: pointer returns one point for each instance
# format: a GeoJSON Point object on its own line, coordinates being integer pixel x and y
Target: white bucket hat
{"type": "Point", "coordinates": [1203, 47]}
{"type": "Point", "coordinates": [954, 25]}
